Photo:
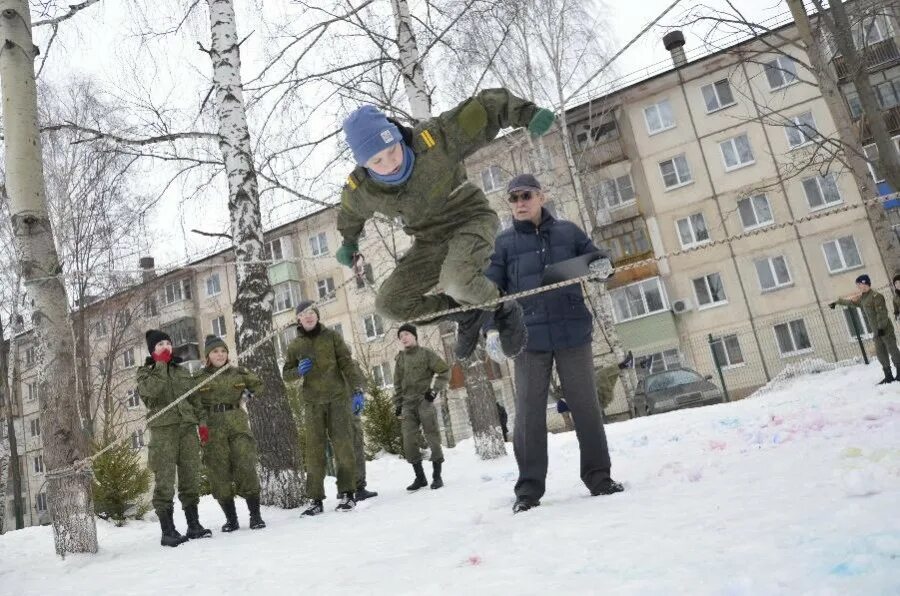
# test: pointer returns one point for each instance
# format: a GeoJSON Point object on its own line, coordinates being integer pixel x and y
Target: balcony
{"type": "Point", "coordinates": [876, 56]}
{"type": "Point", "coordinates": [283, 271]}
{"type": "Point", "coordinates": [623, 278]}
{"type": "Point", "coordinates": [601, 153]}
{"type": "Point", "coordinates": [628, 210]}
{"type": "Point", "coordinates": [891, 121]}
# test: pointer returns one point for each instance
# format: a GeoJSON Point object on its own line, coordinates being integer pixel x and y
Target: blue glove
{"type": "Point", "coordinates": [359, 402]}
{"type": "Point", "coordinates": [562, 406]}
{"type": "Point", "coordinates": [304, 367]}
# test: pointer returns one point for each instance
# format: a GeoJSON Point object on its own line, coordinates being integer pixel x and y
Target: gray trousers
{"type": "Point", "coordinates": [576, 376]}
{"type": "Point", "coordinates": [359, 451]}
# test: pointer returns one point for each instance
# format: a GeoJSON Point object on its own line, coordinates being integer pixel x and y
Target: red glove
{"type": "Point", "coordinates": [204, 434]}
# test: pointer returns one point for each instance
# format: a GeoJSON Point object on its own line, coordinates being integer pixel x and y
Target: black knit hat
{"type": "Point", "coordinates": [212, 342]}
{"type": "Point", "coordinates": [154, 336]}
{"type": "Point", "coordinates": [305, 305]}
{"type": "Point", "coordinates": [864, 279]}
{"type": "Point", "coordinates": [407, 327]}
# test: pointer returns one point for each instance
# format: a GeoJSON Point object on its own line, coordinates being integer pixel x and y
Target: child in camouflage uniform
{"type": "Point", "coordinates": [418, 174]}
{"type": "Point", "coordinates": [321, 361]}
{"type": "Point", "coordinates": [229, 449]}
{"type": "Point", "coordinates": [174, 444]}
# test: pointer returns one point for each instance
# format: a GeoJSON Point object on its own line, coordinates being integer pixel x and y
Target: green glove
{"type": "Point", "coordinates": [541, 122]}
{"type": "Point", "coordinates": [345, 253]}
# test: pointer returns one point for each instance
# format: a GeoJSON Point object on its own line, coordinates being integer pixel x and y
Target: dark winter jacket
{"type": "Point", "coordinates": [558, 319]}
{"type": "Point", "coordinates": [896, 296]}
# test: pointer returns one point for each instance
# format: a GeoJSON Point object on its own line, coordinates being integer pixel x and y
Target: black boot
{"type": "Point", "coordinates": [510, 321]}
{"type": "Point", "coordinates": [468, 331]}
{"type": "Point", "coordinates": [256, 520]}
{"type": "Point", "coordinates": [436, 480]}
{"type": "Point", "coordinates": [524, 504]}
{"type": "Point", "coordinates": [607, 487]}
{"type": "Point", "coordinates": [421, 481]}
{"type": "Point", "coordinates": [888, 376]}
{"type": "Point", "coordinates": [231, 520]}
{"type": "Point", "coordinates": [347, 502]}
{"type": "Point", "coordinates": [195, 530]}
{"type": "Point", "coordinates": [315, 508]}
{"type": "Point", "coordinates": [362, 494]}
{"type": "Point", "coordinates": [170, 536]}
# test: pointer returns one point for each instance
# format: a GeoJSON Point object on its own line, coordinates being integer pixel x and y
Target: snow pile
{"type": "Point", "coordinates": [794, 491]}
{"type": "Point", "coordinates": [806, 367]}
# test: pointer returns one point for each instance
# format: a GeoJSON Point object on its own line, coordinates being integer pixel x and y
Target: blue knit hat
{"type": "Point", "coordinates": [864, 279]}
{"type": "Point", "coordinates": [368, 131]}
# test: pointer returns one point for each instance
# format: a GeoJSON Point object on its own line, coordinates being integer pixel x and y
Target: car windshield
{"type": "Point", "coordinates": [672, 378]}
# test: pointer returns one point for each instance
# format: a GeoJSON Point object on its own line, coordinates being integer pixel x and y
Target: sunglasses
{"type": "Point", "coordinates": [521, 196]}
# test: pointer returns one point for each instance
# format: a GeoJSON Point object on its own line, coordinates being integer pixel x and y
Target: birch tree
{"type": "Point", "coordinates": [69, 490]}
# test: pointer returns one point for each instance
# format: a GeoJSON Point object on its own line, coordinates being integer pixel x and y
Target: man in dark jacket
{"type": "Point", "coordinates": [559, 330]}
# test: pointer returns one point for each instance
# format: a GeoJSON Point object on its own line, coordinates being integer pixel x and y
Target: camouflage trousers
{"type": "Point", "coordinates": [175, 448]}
{"type": "Point", "coordinates": [456, 265]}
{"type": "Point", "coordinates": [230, 455]}
{"type": "Point", "coordinates": [331, 420]}
{"type": "Point", "coordinates": [420, 412]}
{"type": "Point", "coordinates": [359, 452]}
{"type": "Point", "coordinates": [886, 349]}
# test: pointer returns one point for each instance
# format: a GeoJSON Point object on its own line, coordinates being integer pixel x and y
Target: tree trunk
{"type": "Point", "coordinates": [69, 493]}
{"type": "Point", "coordinates": [839, 28]}
{"type": "Point", "coordinates": [482, 407]}
{"type": "Point", "coordinates": [10, 387]}
{"type": "Point", "coordinates": [280, 470]}
{"type": "Point", "coordinates": [410, 63]}
{"type": "Point", "coordinates": [447, 334]}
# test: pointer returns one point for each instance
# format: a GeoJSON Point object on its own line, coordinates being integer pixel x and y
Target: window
{"type": "Point", "coordinates": [491, 179]}
{"type": "Point", "coordinates": [368, 277]}
{"type": "Point", "coordinates": [279, 248]}
{"type": "Point", "coordinates": [382, 375]}
{"type": "Point", "coordinates": [821, 191]}
{"type": "Point", "coordinates": [101, 328]}
{"type": "Point", "coordinates": [182, 331]}
{"type": "Point", "coordinates": [128, 358]}
{"type": "Point", "coordinates": [855, 321]}
{"type": "Point", "coordinates": [841, 254]}
{"type": "Point", "coordinates": [41, 502]}
{"type": "Point", "coordinates": [628, 244]}
{"type": "Point", "coordinates": [137, 439]}
{"type": "Point", "coordinates": [736, 152]}
{"type": "Point", "coordinates": [601, 133]}
{"type": "Point", "coordinates": [39, 464]}
{"type": "Point", "coordinates": [218, 326]}
{"type": "Point", "coordinates": [374, 326]}
{"type": "Point", "coordinates": [780, 72]}
{"type": "Point", "coordinates": [339, 329]}
{"type": "Point", "coordinates": [318, 244]}
{"type": "Point", "coordinates": [801, 130]}
{"type": "Point", "coordinates": [870, 30]}
{"type": "Point", "coordinates": [717, 95]}
{"type": "Point", "coordinates": [773, 273]}
{"type": "Point", "coordinates": [213, 285]}
{"type": "Point", "coordinates": [325, 288]}
{"type": "Point", "coordinates": [709, 290]}
{"type": "Point", "coordinates": [151, 306]}
{"type": "Point", "coordinates": [876, 171]}
{"type": "Point", "coordinates": [35, 425]}
{"type": "Point", "coordinates": [132, 399]}
{"type": "Point", "coordinates": [675, 172]}
{"type": "Point", "coordinates": [792, 337]}
{"type": "Point", "coordinates": [692, 230]}
{"type": "Point", "coordinates": [638, 299]}
{"type": "Point", "coordinates": [31, 395]}
{"type": "Point", "coordinates": [659, 117]}
{"type": "Point", "coordinates": [727, 351]}
{"type": "Point", "coordinates": [177, 291]}
{"type": "Point", "coordinates": [659, 361]}
{"type": "Point", "coordinates": [30, 355]}
{"type": "Point", "coordinates": [614, 192]}
{"type": "Point", "coordinates": [854, 104]}
{"type": "Point", "coordinates": [755, 212]}
{"type": "Point", "coordinates": [287, 295]}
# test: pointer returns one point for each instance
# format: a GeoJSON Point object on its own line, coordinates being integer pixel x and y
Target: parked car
{"type": "Point", "coordinates": [675, 389]}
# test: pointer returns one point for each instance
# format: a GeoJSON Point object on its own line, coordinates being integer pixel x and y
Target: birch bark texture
{"type": "Point", "coordinates": [281, 474]}
{"type": "Point", "coordinates": [68, 492]}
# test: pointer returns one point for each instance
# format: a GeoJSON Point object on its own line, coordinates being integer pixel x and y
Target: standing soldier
{"type": "Point", "coordinates": [874, 309]}
{"type": "Point", "coordinates": [320, 359]}
{"type": "Point", "coordinates": [418, 174]}
{"type": "Point", "coordinates": [419, 375]}
{"type": "Point", "coordinates": [229, 448]}
{"type": "Point", "coordinates": [174, 443]}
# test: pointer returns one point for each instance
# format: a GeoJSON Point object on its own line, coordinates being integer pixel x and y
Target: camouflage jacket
{"type": "Point", "coordinates": [226, 389]}
{"type": "Point", "coordinates": [414, 369]}
{"type": "Point", "coordinates": [874, 309]}
{"type": "Point", "coordinates": [334, 374]}
{"type": "Point", "coordinates": [437, 196]}
{"type": "Point", "coordinates": [159, 385]}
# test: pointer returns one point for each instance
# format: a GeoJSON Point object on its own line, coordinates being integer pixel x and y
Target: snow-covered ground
{"type": "Point", "coordinates": [794, 491]}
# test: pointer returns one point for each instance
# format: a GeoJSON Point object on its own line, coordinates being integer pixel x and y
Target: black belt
{"type": "Point", "coordinates": [221, 408]}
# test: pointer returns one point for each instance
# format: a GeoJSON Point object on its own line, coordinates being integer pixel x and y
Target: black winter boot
{"type": "Point", "coordinates": [170, 536]}
{"type": "Point", "coordinates": [362, 494]}
{"type": "Point", "coordinates": [347, 503]}
{"type": "Point", "coordinates": [524, 504]}
{"type": "Point", "coordinates": [421, 481]}
{"type": "Point", "coordinates": [315, 508]}
{"type": "Point", "coordinates": [436, 480]}
{"type": "Point", "coordinates": [510, 321]}
{"type": "Point", "coordinates": [888, 376]}
{"type": "Point", "coordinates": [256, 520]}
{"type": "Point", "coordinates": [231, 520]}
{"type": "Point", "coordinates": [468, 331]}
{"type": "Point", "coordinates": [195, 530]}
{"type": "Point", "coordinates": [607, 487]}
